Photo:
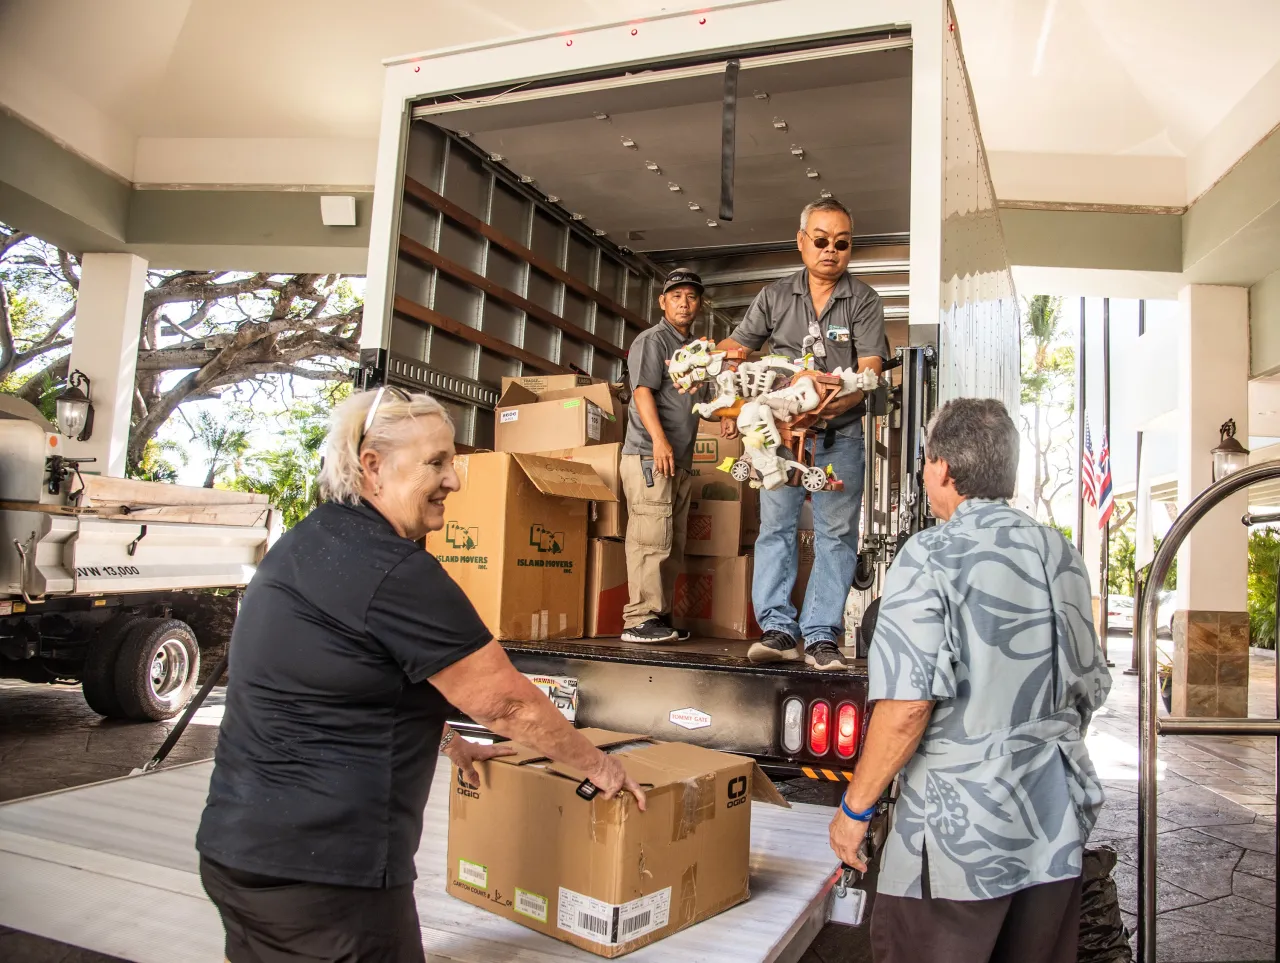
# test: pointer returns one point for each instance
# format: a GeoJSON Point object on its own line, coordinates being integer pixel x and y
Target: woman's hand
{"type": "Point", "coordinates": [610, 778]}
{"type": "Point", "coordinates": [465, 754]}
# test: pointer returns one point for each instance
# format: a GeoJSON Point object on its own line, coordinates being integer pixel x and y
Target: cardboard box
{"type": "Point", "coordinates": [607, 588]}
{"type": "Point", "coordinates": [724, 516]}
{"type": "Point", "coordinates": [710, 449]}
{"type": "Point", "coordinates": [540, 383]}
{"type": "Point", "coordinates": [528, 421]}
{"type": "Point", "coordinates": [600, 874]}
{"type": "Point", "coordinates": [515, 540]}
{"type": "Point", "coordinates": [713, 598]}
{"type": "Point", "coordinates": [607, 519]}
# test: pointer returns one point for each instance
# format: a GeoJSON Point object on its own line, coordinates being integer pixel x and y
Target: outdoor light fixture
{"type": "Point", "coordinates": [1228, 458]}
{"type": "Point", "coordinates": [779, 124]}
{"type": "Point", "coordinates": [75, 410]}
{"type": "Point", "coordinates": [674, 188]}
{"type": "Point", "coordinates": [628, 143]}
{"type": "Point", "coordinates": [695, 206]}
{"type": "Point", "coordinates": [797, 151]}
{"type": "Point", "coordinates": [652, 166]}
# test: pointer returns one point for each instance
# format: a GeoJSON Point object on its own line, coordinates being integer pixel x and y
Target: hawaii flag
{"type": "Point", "coordinates": [1106, 503]}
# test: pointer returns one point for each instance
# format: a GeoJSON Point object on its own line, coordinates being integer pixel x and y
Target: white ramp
{"type": "Point", "coordinates": [112, 867]}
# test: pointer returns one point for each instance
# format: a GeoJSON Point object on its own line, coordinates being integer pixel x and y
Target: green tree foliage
{"type": "Point", "coordinates": [160, 462]}
{"type": "Point", "coordinates": [1048, 402]}
{"type": "Point", "coordinates": [1120, 573]}
{"type": "Point", "coordinates": [225, 436]}
{"type": "Point", "coordinates": [1264, 562]}
{"type": "Point", "coordinates": [286, 473]}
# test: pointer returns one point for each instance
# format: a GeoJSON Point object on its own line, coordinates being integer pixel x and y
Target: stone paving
{"type": "Point", "coordinates": [1216, 812]}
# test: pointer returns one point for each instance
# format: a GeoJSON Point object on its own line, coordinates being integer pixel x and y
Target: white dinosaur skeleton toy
{"type": "Point", "coordinates": [763, 405]}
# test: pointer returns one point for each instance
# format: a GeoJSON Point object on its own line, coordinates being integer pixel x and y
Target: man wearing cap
{"type": "Point", "coordinates": [822, 311]}
{"type": "Point", "coordinates": [657, 463]}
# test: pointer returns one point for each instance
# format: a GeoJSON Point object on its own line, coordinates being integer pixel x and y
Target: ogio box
{"type": "Point", "coordinates": [515, 540]}
{"type": "Point", "coordinates": [528, 421]}
{"type": "Point", "coordinates": [600, 874]}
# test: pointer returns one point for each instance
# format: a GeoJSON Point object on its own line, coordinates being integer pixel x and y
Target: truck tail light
{"type": "Point", "coordinates": [792, 725]}
{"type": "Point", "coordinates": [819, 728]}
{"type": "Point", "coordinates": [846, 730]}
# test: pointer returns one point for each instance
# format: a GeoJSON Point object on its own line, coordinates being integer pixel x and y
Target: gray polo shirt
{"type": "Point", "coordinates": [647, 362]}
{"type": "Point", "coordinates": [852, 325]}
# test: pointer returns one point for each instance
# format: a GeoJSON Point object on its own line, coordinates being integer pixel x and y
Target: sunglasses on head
{"type": "Point", "coordinates": [373, 409]}
{"type": "Point", "coordinates": [820, 242]}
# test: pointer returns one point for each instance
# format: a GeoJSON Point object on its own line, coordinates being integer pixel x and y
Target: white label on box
{"type": "Point", "coordinates": [613, 925]}
{"type": "Point", "coordinates": [531, 905]}
{"type": "Point", "coordinates": [689, 718]}
{"type": "Point", "coordinates": [593, 422]}
{"type": "Point", "coordinates": [509, 416]}
{"type": "Point", "coordinates": [473, 873]}
{"type": "Point", "coordinates": [6, 608]}
{"type": "Point", "coordinates": [561, 690]}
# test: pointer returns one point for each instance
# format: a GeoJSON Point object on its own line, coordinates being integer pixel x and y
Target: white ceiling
{"type": "Point", "coordinates": [1161, 96]}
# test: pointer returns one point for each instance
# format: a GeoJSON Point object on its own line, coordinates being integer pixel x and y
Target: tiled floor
{"type": "Point", "coordinates": [1216, 819]}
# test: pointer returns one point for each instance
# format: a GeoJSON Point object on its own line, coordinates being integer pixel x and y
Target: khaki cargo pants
{"type": "Point", "coordinates": [656, 519]}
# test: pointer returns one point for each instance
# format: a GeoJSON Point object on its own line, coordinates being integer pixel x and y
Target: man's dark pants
{"type": "Point", "coordinates": [1040, 924]}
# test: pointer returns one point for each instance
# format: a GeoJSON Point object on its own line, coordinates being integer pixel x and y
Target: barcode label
{"type": "Point", "coordinates": [473, 873]}
{"type": "Point", "coordinates": [531, 905]}
{"type": "Point", "coordinates": [509, 416]}
{"type": "Point", "coordinates": [629, 926]}
{"type": "Point", "coordinates": [593, 422]}
{"type": "Point", "coordinates": [610, 924]}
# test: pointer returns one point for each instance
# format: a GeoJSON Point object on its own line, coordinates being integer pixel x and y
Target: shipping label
{"type": "Point", "coordinates": [531, 905]}
{"type": "Point", "coordinates": [509, 416]}
{"type": "Point", "coordinates": [613, 924]}
{"type": "Point", "coordinates": [593, 422]}
{"type": "Point", "coordinates": [473, 874]}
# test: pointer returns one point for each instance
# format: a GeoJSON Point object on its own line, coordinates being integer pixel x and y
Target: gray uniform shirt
{"type": "Point", "coordinates": [647, 362]}
{"type": "Point", "coordinates": [852, 325]}
{"type": "Point", "coordinates": [990, 617]}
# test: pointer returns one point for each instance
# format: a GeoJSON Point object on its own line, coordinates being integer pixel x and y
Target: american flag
{"type": "Point", "coordinates": [1106, 503]}
{"type": "Point", "coordinates": [1088, 470]}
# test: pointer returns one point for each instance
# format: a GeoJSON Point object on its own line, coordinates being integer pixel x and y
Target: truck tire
{"type": "Point", "coordinates": [98, 678]}
{"type": "Point", "coordinates": [156, 669]}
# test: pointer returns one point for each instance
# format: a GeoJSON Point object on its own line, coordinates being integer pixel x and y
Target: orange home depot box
{"type": "Point", "coordinates": [606, 519]}
{"type": "Point", "coordinates": [713, 598]}
{"type": "Point", "coordinates": [515, 540]}
{"type": "Point", "coordinates": [607, 589]}
{"type": "Point", "coordinates": [528, 421]}
{"type": "Point", "coordinates": [600, 874]}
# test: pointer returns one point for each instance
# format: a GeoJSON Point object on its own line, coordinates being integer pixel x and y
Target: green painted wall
{"type": "Point", "coordinates": [1264, 326]}
{"type": "Point", "coordinates": [1093, 240]}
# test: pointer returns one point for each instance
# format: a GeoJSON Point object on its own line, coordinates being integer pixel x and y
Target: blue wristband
{"type": "Point", "coordinates": [862, 817]}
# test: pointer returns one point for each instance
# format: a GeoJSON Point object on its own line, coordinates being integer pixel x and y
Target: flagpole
{"type": "Point", "coordinates": [1104, 594]}
{"type": "Point", "coordinates": [1081, 371]}
{"type": "Point", "coordinates": [1138, 588]}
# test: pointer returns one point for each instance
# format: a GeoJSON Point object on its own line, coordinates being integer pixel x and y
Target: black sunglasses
{"type": "Point", "coordinates": [373, 410]}
{"type": "Point", "coordinates": [840, 244]}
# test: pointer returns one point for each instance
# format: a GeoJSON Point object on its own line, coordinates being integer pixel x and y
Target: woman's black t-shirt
{"type": "Point", "coordinates": [329, 742]}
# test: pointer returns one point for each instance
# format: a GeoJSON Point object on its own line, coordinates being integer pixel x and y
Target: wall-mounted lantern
{"type": "Point", "coordinates": [75, 410]}
{"type": "Point", "coordinates": [1230, 456]}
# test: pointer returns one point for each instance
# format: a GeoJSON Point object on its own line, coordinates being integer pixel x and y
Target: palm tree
{"type": "Point", "coordinates": [1047, 407]}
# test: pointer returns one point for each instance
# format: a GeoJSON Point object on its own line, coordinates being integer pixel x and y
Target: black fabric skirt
{"type": "Point", "coordinates": [270, 920]}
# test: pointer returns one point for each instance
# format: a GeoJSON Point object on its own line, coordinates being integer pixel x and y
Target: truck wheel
{"type": "Point", "coordinates": [157, 668]}
{"type": "Point", "coordinates": [98, 678]}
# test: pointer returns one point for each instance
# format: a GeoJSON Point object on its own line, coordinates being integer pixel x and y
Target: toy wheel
{"type": "Point", "coordinates": [814, 480]}
{"type": "Point", "coordinates": [741, 471]}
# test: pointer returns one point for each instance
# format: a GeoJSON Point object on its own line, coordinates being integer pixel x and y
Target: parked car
{"type": "Point", "coordinates": [1121, 614]}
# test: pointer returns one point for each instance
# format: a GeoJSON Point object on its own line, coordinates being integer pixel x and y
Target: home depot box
{"type": "Point", "coordinates": [515, 540]}
{"type": "Point", "coordinates": [600, 874]}
{"type": "Point", "coordinates": [713, 598]}
{"type": "Point", "coordinates": [528, 421]}
{"type": "Point", "coordinates": [607, 589]}
{"type": "Point", "coordinates": [724, 515]}
{"type": "Point", "coordinates": [606, 519]}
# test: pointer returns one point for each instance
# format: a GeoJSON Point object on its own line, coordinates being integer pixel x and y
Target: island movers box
{"type": "Point", "coordinates": [528, 421]}
{"type": "Point", "coordinates": [515, 540]}
{"type": "Point", "coordinates": [526, 846]}
{"type": "Point", "coordinates": [606, 519]}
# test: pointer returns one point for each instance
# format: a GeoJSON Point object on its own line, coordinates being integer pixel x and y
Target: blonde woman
{"type": "Point", "coordinates": [351, 645]}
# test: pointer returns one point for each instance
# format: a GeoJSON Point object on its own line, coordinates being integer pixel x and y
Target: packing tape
{"type": "Point", "coordinates": [696, 804]}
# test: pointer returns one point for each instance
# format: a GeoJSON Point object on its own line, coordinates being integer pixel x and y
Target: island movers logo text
{"type": "Point", "coordinates": [466, 541]}
{"type": "Point", "coordinates": [546, 542]}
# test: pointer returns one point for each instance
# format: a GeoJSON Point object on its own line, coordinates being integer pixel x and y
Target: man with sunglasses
{"type": "Point", "coordinates": [825, 312]}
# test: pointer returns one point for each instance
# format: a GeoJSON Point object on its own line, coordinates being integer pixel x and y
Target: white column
{"type": "Point", "coordinates": [105, 347]}
{"type": "Point", "coordinates": [1213, 376]}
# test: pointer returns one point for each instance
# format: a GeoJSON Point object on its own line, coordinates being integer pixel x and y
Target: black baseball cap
{"type": "Point", "coordinates": [682, 276]}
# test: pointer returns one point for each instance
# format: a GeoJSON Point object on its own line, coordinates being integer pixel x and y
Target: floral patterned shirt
{"type": "Point", "coordinates": [989, 616]}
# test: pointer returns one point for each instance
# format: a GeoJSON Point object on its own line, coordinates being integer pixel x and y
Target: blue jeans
{"type": "Point", "coordinates": [835, 531]}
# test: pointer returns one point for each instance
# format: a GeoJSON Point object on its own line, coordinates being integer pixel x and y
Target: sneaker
{"type": "Point", "coordinates": [682, 635]}
{"type": "Point", "coordinates": [825, 657]}
{"type": "Point", "coordinates": [774, 646]}
{"type": "Point", "coordinates": [651, 631]}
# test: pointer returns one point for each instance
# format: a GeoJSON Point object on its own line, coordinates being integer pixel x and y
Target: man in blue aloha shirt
{"type": "Point", "coordinates": [985, 669]}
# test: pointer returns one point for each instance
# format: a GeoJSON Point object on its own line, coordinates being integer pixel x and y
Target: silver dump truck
{"type": "Point", "coordinates": [110, 582]}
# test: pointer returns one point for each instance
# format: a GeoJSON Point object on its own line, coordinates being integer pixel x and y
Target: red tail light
{"type": "Point", "coordinates": [819, 728]}
{"type": "Point", "coordinates": [846, 730]}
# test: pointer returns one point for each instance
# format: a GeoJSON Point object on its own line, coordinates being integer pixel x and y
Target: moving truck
{"type": "Point", "coordinates": [531, 194]}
